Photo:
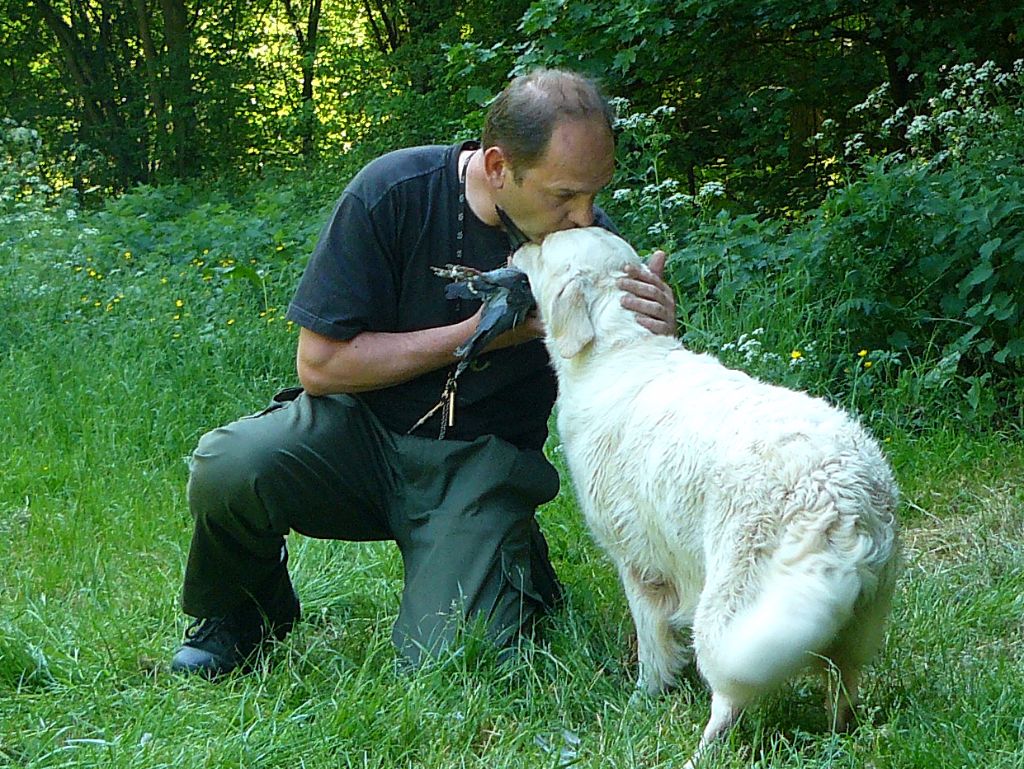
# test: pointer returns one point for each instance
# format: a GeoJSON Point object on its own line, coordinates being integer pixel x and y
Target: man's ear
{"type": "Point", "coordinates": [570, 324]}
{"type": "Point", "coordinates": [495, 166]}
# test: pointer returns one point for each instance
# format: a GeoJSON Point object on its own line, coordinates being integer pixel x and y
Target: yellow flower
{"type": "Point", "coordinates": [163, 281]}
{"type": "Point", "coordinates": [796, 355]}
{"type": "Point", "coordinates": [231, 321]}
{"type": "Point", "coordinates": [179, 303]}
{"type": "Point", "coordinates": [862, 354]}
{"type": "Point", "coordinates": [176, 317]}
{"type": "Point", "coordinates": [867, 364]}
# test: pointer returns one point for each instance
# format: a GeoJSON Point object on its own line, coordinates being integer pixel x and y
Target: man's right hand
{"type": "Point", "coordinates": [531, 328]}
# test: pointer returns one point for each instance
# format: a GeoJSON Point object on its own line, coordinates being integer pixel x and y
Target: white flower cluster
{"type": "Point", "coordinates": [876, 99]}
{"type": "Point", "coordinates": [710, 190]}
{"type": "Point", "coordinates": [630, 121]}
{"type": "Point", "coordinates": [748, 346]}
{"type": "Point", "coordinates": [634, 121]}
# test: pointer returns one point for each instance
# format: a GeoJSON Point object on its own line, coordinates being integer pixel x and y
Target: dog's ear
{"type": "Point", "coordinates": [570, 324]}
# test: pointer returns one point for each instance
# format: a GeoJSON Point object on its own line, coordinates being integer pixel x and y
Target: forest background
{"type": "Point", "coordinates": [840, 188]}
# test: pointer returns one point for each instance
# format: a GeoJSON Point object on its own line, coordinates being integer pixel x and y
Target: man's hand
{"type": "Point", "coordinates": [649, 296]}
{"type": "Point", "coordinates": [531, 328]}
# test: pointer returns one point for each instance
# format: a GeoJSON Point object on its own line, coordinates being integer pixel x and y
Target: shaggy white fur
{"type": "Point", "coordinates": [756, 517]}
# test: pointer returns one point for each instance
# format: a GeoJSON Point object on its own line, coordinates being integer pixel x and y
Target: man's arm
{"type": "Point", "coordinates": [373, 360]}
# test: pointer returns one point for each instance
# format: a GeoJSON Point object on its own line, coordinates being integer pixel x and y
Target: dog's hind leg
{"type": "Point", "coordinates": [845, 661]}
{"type": "Point", "coordinates": [724, 713]}
{"type": "Point", "coordinates": [841, 700]}
{"type": "Point", "coordinates": [851, 651]}
{"type": "Point", "coordinates": [653, 602]}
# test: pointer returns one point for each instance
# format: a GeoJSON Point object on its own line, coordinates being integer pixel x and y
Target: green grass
{"type": "Point", "coordinates": [101, 407]}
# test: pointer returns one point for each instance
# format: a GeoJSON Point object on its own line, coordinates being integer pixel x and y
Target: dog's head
{"type": "Point", "coordinates": [570, 271]}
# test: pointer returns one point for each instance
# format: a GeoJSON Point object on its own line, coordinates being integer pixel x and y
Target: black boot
{"type": "Point", "coordinates": [214, 646]}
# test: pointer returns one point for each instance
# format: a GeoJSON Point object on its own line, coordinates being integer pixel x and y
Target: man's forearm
{"type": "Point", "coordinates": [374, 360]}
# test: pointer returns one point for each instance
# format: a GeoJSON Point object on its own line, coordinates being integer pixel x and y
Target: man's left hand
{"type": "Point", "coordinates": [649, 296]}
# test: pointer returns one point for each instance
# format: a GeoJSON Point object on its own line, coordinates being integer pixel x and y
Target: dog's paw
{"type": "Point", "coordinates": [645, 691]}
{"type": "Point", "coordinates": [640, 698]}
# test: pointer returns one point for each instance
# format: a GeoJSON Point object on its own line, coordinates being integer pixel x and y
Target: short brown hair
{"type": "Point", "coordinates": [523, 116]}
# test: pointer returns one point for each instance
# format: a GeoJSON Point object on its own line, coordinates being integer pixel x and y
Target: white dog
{"type": "Point", "coordinates": [757, 517]}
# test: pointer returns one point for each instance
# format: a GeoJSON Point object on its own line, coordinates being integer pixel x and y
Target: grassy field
{"type": "Point", "coordinates": [114, 359]}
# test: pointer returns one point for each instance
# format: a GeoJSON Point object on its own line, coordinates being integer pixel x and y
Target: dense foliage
{"type": "Point", "coordinates": [146, 91]}
{"type": "Point", "coordinates": [829, 179]}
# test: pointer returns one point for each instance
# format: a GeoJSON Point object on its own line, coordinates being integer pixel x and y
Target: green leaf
{"type": "Point", "coordinates": [987, 249]}
{"type": "Point", "coordinates": [478, 95]}
{"type": "Point", "coordinates": [976, 277]}
{"type": "Point", "coordinates": [241, 272]}
{"type": "Point", "coordinates": [624, 59]}
{"type": "Point", "coordinates": [1013, 351]}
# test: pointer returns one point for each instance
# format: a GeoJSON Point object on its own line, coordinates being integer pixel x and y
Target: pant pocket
{"type": "Point", "coordinates": [280, 400]}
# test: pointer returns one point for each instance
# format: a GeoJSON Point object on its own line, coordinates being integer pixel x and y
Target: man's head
{"type": "Point", "coordinates": [548, 150]}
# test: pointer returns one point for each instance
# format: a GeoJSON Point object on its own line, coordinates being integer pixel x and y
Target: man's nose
{"type": "Point", "coordinates": [583, 215]}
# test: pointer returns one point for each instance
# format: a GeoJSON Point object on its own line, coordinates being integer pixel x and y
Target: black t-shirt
{"type": "Point", "coordinates": [370, 271]}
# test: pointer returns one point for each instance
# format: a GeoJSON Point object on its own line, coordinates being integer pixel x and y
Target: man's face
{"type": "Point", "coordinates": [558, 192]}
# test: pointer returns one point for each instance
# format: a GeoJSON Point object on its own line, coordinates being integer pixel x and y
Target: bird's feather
{"type": "Point", "coordinates": [506, 297]}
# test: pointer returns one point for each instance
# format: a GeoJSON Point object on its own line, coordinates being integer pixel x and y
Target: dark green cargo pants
{"type": "Point", "coordinates": [462, 514]}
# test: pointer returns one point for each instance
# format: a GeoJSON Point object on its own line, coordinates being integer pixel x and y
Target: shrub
{"type": "Point", "coordinates": [926, 250]}
{"type": "Point", "coordinates": [898, 296]}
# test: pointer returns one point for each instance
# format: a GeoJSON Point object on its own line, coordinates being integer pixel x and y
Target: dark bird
{"type": "Point", "coordinates": [507, 299]}
{"type": "Point", "coordinates": [506, 296]}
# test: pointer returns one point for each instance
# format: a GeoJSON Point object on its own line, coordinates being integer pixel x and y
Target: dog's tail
{"type": "Point", "coordinates": [795, 619]}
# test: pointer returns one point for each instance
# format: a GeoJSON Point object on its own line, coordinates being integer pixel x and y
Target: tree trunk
{"type": "Point", "coordinates": [91, 79]}
{"type": "Point", "coordinates": [178, 91]}
{"type": "Point", "coordinates": [153, 80]}
{"type": "Point", "coordinates": [308, 42]}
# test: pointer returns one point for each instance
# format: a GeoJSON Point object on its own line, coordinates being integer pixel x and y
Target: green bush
{"type": "Point", "coordinates": [928, 247]}
{"type": "Point", "coordinates": [898, 296]}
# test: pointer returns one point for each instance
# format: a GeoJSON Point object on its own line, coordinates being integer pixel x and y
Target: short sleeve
{"type": "Point", "coordinates": [351, 282]}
